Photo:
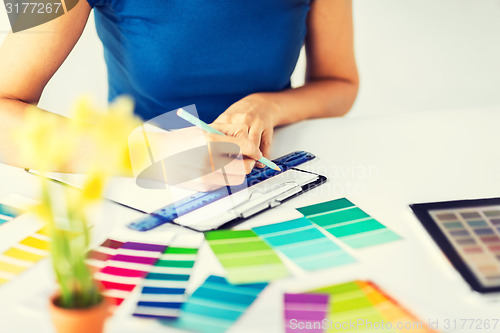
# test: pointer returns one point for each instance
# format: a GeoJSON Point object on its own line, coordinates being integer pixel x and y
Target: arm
{"type": "Point", "coordinates": [27, 62]}
{"type": "Point", "coordinates": [331, 81]}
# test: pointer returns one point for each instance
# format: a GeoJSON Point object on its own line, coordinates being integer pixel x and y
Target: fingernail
{"type": "Point", "coordinates": [260, 165]}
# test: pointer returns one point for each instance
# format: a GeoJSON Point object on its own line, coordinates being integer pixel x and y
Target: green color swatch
{"type": "Point", "coordinates": [246, 258]}
{"type": "Point", "coordinates": [349, 223]}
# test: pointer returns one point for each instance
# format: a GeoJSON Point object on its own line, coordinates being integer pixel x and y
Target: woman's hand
{"type": "Point", "coordinates": [254, 116]}
{"type": "Point", "coordinates": [193, 159]}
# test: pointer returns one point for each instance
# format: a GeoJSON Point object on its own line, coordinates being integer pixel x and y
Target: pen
{"type": "Point", "coordinates": [207, 128]}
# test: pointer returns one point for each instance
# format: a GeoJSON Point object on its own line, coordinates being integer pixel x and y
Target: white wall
{"type": "Point", "coordinates": [412, 54]}
{"type": "Point", "coordinates": [427, 54]}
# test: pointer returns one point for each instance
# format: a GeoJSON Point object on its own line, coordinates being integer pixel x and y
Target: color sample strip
{"type": "Point", "coordinates": [246, 257]}
{"type": "Point", "coordinates": [304, 244]}
{"type": "Point", "coordinates": [475, 235]}
{"type": "Point", "coordinates": [216, 305]}
{"type": "Point", "coordinates": [163, 289]}
{"type": "Point", "coordinates": [23, 255]}
{"type": "Point", "coordinates": [304, 313]}
{"type": "Point", "coordinates": [96, 258]}
{"type": "Point", "coordinates": [126, 269]}
{"type": "Point", "coordinates": [8, 213]}
{"type": "Point", "coordinates": [363, 303]}
{"type": "Point", "coordinates": [349, 223]}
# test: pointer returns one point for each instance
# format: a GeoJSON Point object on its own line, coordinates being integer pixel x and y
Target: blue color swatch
{"type": "Point", "coordinates": [304, 244]}
{"type": "Point", "coordinates": [7, 213]}
{"type": "Point", "coordinates": [216, 305]}
{"type": "Point", "coordinates": [163, 289]}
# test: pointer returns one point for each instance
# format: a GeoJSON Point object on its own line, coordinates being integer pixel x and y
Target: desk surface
{"type": "Point", "coordinates": [380, 163]}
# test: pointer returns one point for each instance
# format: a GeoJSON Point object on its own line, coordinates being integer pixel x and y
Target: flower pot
{"type": "Point", "coordinates": [88, 320]}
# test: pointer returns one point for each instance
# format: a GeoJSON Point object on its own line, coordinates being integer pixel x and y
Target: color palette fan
{"type": "Point", "coordinates": [361, 306]}
{"type": "Point", "coordinates": [8, 213]}
{"type": "Point", "coordinates": [216, 305]}
{"type": "Point", "coordinates": [305, 313]}
{"type": "Point", "coordinates": [301, 242]}
{"type": "Point", "coordinates": [164, 288]}
{"type": "Point", "coordinates": [349, 223]}
{"type": "Point", "coordinates": [246, 257]}
{"type": "Point", "coordinates": [23, 255]}
{"type": "Point", "coordinates": [126, 269]}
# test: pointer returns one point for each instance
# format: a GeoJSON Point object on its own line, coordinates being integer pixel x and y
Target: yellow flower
{"type": "Point", "coordinates": [93, 188]}
{"type": "Point", "coordinates": [42, 140]}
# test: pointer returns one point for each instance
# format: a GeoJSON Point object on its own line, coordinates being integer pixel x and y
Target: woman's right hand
{"type": "Point", "coordinates": [196, 160]}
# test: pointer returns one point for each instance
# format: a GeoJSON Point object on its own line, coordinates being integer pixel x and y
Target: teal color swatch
{"type": "Point", "coordinates": [216, 305]}
{"type": "Point", "coordinates": [349, 223]}
{"type": "Point", "coordinates": [304, 244]}
{"type": "Point", "coordinates": [7, 213]}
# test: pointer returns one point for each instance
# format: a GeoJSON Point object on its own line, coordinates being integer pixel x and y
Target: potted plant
{"type": "Point", "coordinates": [51, 143]}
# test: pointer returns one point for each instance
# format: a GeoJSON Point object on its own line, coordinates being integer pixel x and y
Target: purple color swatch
{"type": "Point", "coordinates": [304, 313]}
{"type": "Point", "coordinates": [143, 247]}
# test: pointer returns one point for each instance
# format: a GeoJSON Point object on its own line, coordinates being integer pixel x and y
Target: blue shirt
{"type": "Point", "coordinates": [172, 53]}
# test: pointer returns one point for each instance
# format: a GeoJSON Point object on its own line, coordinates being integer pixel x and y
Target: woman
{"type": "Point", "coordinates": [232, 59]}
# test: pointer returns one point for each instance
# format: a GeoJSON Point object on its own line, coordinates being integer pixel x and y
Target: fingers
{"type": "Point", "coordinates": [265, 142]}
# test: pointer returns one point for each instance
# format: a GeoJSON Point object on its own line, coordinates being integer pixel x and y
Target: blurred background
{"type": "Point", "coordinates": [413, 55]}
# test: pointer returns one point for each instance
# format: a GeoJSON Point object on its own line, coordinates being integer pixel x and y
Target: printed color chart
{"type": "Point", "coordinates": [125, 270]}
{"type": "Point", "coordinates": [349, 223]}
{"type": "Point", "coordinates": [363, 303]}
{"type": "Point", "coordinates": [475, 234]}
{"type": "Point", "coordinates": [307, 309]}
{"type": "Point", "coordinates": [97, 257]}
{"type": "Point", "coordinates": [246, 257]}
{"type": "Point", "coordinates": [304, 244]}
{"type": "Point", "coordinates": [23, 255]}
{"type": "Point", "coordinates": [216, 305]}
{"type": "Point", "coordinates": [8, 213]}
{"type": "Point", "coordinates": [163, 289]}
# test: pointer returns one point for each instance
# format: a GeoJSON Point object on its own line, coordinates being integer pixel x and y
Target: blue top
{"type": "Point", "coordinates": [172, 53]}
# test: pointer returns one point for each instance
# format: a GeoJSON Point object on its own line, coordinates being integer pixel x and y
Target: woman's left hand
{"type": "Point", "coordinates": [257, 113]}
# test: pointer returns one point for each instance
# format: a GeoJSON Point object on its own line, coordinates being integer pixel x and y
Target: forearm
{"type": "Point", "coordinates": [13, 116]}
{"type": "Point", "coordinates": [316, 99]}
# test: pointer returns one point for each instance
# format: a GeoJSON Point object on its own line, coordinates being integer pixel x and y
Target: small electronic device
{"type": "Point", "coordinates": [468, 232]}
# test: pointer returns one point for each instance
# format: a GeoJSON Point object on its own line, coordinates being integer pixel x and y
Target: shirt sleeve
{"type": "Point", "coordinates": [95, 3]}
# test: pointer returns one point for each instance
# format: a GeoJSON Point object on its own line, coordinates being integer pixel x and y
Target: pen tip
{"type": "Point", "coordinates": [277, 168]}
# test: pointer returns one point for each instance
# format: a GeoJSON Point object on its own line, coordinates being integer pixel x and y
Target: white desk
{"type": "Point", "coordinates": [382, 164]}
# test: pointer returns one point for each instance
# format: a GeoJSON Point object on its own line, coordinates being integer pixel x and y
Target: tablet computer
{"type": "Point", "coordinates": [468, 232]}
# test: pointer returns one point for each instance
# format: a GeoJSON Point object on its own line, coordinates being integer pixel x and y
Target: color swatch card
{"type": "Point", "coordinates": [126, 269]}
{"type": "Point", "coordinates": [23, 255]}
{"type": "Point", "coordinates": [468, 232]}
{"type": "Point", "coordinates": [216, 305]}
{"type": "Point", "coordinates": [304, 244]}
{"type": "Point", "coordinates": [246, 257]}
{"type": "Point", "coordinates": [97, 258]}
{"type": "Point", "coordinates": [163, 289]}
{"type": "Point", "coordinates": [349, 223]}
{"type": "Point", "coordinates": [475, 234]}
{"type": "Point", "coordinates": [360, 306]}
{"type": "Point", "coordinates": [304, 313]}
{"type": "Point", "coordinates": [8, 213]}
